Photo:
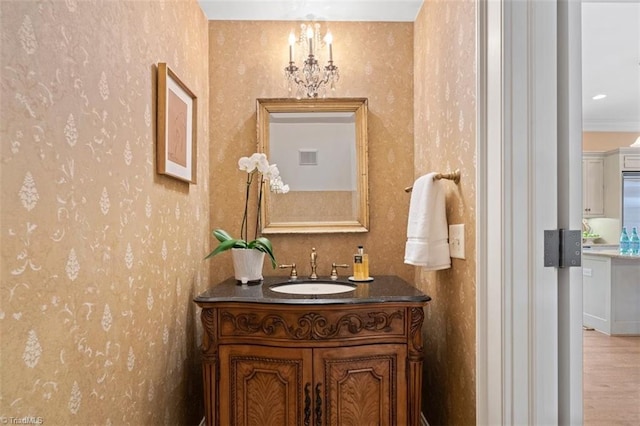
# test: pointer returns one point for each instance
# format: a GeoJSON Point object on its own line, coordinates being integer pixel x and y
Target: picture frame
{"type": "Point", "coordinates": [176, 127]}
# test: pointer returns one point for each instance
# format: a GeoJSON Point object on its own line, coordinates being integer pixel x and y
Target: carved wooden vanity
{"type": "Point", "coordinates": [279, 359]}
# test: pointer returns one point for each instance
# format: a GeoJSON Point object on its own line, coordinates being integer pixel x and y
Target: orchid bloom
{"type": "Point", "coordinates": [277, 186]}
{"type": "Point", "coordinates": [257, 161]}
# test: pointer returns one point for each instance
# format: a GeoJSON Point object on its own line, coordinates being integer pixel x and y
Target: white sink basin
{"type": "Point", "coordinates": [312, 288]}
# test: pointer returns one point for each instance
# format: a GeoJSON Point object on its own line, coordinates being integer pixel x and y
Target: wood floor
{"type": "Point", "coordinates": [611, 380]}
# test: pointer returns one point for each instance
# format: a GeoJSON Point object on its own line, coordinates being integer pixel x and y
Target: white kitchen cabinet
{"type": "Point", "coordinates": [592, 185]}
{"type": "Point", "coordinates": [611, 292]}
{"type": "Point", "coordinates": [630, 162]}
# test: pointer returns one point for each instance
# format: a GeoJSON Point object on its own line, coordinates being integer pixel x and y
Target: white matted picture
{"type": "Point", "coordinates": [176, 139]}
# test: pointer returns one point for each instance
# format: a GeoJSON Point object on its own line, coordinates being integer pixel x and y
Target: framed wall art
{"type": "Point", "coordinates": [176, 127]}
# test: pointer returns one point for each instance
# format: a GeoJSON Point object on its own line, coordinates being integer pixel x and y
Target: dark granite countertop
{"type": "Point", "coordinates": [385, 288]}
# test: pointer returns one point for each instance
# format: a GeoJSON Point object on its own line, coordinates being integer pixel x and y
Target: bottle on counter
{"type": "Point", "coordinates": [357, 264]}
{"type": "Point", "coordinates": [360, 265]}
{"type": "Point", "coordinates": [365, 265]}
{"type": "Point", "coordinates": [625, 242]}
{"type": "Point", "coordinates": [634, 249]}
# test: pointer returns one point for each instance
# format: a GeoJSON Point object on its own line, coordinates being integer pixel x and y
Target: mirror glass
{"type": "Point", "coordinates": [320, 148]}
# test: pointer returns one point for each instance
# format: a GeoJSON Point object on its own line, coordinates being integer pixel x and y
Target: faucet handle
{"type": "Point", "coordinates": [294, 273]}
{"type": "Point", "coordinates": [334, 269]}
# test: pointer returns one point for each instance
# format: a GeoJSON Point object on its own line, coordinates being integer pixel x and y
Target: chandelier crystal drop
{"type": "Point", "coordinates": [312, 80]}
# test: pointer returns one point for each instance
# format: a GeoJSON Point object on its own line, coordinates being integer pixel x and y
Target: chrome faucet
{"type": "Point", "coordinates": [314, 264]}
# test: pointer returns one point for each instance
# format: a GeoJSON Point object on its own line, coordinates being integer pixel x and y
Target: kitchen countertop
{"type": "Point", "coordinates": [386, 288]}
{"type": "Point", "coordinates": [600, 246]}
{"type": "Point", "coordinates": [613, 253]}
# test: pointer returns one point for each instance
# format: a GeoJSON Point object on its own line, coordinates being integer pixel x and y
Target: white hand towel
{"type": "Point", "coordinates": [427, 229]}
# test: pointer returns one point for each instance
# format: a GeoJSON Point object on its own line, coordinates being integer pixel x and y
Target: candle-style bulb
{"type": "Point", "coordinates": [310, 39]}
{"type": "Point", "coordinates": [329, 40]}
{"type": "Point", "coordinates": [292, 41]}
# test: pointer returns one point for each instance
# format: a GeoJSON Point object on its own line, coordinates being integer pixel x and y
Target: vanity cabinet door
{"type": "Point", "coordinates": [362, 385]}
{"type": "Point", "coordinates": [263, 386]}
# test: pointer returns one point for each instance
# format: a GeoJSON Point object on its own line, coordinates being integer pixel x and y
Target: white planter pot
{"type": "Point", "coordinates": [247, 265]}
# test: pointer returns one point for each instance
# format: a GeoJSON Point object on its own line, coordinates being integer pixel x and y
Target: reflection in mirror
{"type": "Point", "coordinates": [320, 147]}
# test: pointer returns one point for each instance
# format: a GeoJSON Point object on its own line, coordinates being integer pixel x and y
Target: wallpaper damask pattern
{"type": "Point", "coordinates": [445, 139]}
{"type": "Point", "coordinates": [101, 256]}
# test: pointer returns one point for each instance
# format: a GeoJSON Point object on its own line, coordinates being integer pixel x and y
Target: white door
{"type": "Point", "coordinates": [529, 361]}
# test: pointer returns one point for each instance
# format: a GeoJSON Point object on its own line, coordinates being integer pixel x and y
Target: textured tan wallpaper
{"type": "Point", "coordinates": [101, 256]}
{"type": "Point", "coordinates": [247, 61]}
{"type": "Point", "coordinates": [445, 134]}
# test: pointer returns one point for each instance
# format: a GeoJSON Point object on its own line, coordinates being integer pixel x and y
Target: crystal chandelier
{"type": "Point", "coordinates": [312, 79]}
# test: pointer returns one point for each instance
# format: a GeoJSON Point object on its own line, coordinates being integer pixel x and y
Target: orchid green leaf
{"type": "Point", "coordinates": [264, 245]}
{"type": "Point", "coordinates": [226, 245]}
{"type": "Point", "coordinates": [221, 235]}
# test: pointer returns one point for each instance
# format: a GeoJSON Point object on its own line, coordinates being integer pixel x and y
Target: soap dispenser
{"type": "Point", "coordinates": [360, 265]}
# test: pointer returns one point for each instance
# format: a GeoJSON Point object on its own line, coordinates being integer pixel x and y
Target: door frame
{"type": "Point", "coordinates": [529, 339]}
{"type": "Point", "coordinates": [570, 298]}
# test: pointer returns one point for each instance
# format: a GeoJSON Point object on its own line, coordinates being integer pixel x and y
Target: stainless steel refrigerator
{"type": "Point", "coordinates": [631, 200]}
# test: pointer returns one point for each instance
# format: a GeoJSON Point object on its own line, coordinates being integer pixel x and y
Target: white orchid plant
{"type": "Point", "coordinates": [258, 168]}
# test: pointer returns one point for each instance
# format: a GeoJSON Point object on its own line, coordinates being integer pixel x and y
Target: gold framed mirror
{"type": "Point", "coordinates": [320, 148]}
